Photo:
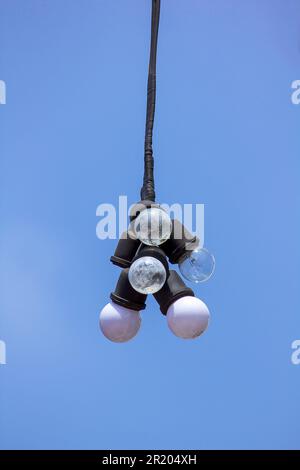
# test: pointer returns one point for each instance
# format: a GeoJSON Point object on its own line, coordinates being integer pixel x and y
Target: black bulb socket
{"type": "Point", "coordinates": [125, 251]}
{"type": "Point", "coordinates": [126, 296]}
{"type": "Point", "coordinates": [173, 289]}
{"type": "Point", "coordinates": [181, 241]}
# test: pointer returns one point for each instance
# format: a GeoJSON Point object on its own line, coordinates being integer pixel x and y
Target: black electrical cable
{"type": "Point", "coordinates": [147, 191]}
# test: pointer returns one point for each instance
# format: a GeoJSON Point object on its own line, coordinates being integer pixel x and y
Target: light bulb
{"type": "Point", "coordinates": [197, 265]}
{"type": "Point", "coordinates": [188, 317]}
{"type": "Point", "coordinates": [147, 275]}
{"type": "Point", "coordinates": [152, 226]}
{"type": "Point", "coordinates": [119, 324]}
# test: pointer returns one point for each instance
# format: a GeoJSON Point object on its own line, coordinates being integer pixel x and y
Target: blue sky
{"type": "Point", "coordinates": [226, 135]}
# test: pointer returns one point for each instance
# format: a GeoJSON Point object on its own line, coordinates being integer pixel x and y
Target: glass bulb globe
{"type": "Point", "coordinates": [119, 324]}
{"type": "Point", "coordinates": [147, 275]}
{"type": "Point", "coordinates": [188, 317]}
{"type": "Point", "coordinates": [153, 226]}
{"type": "Point", "coordinates": [197, 265]}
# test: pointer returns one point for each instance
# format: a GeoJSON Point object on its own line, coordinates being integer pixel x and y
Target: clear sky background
{"type": "Point", "coordinates": [226, 135]}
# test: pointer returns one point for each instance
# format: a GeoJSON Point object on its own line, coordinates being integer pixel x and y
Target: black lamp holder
{"type": "Point", "coordinates": [129, 247]}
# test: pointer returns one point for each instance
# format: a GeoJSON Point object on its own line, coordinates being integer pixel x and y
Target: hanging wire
{"type": "Point", "coordinates": [148, 191]}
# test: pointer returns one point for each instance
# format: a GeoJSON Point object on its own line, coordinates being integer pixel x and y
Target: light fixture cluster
{"type": "Point", "coordinates": [152, 240]}
{"type": "Point", "coordinates": [143, 253]}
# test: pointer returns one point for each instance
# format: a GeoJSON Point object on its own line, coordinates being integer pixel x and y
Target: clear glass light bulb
{"type": "Point", "coordinates": [147, 275]}
{"type": "Point", "coordinates": [188, 317]}
{"type": "Point", "coordinates": [119, 324]}
{"type": "Point", "coordinates": [197, 265]}
{"type": "Point", "coordinates": [153, 226]}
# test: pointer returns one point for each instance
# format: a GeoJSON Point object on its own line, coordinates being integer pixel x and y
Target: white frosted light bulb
{"type": "Point", "coordinates": [119, 324]}
{"type": "Point", "coordinates": [188, 317]}
{"type": "Point", "coordinates": [147, 275]}
{"type": "Point", "coordinates": [197, 265]}
{"type": "Point", "coordinates": [152, 226]}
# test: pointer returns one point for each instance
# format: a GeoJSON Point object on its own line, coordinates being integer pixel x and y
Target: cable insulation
{"type": "Point", "coordinates": [148, 191]}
